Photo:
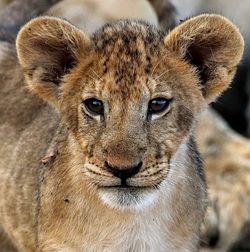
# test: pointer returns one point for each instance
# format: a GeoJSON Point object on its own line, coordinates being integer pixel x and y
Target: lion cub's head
{"type": "Point", "coordinates": [129, 94]}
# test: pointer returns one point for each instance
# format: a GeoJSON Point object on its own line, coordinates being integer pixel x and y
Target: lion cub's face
{"type": "Point", "coordinates": [133, 112]}
{"type": "Point", "coordinates": [128, 95]}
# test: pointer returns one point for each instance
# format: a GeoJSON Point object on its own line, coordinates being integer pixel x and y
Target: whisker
{"type": "Point", "coordinates": [100, 78]}
{"type": "Point", "coordinates": [162, 74]}
{"type": "Point", "coordinates": [152, 174]}
{"type": "Point", "coordinates": [157, 64]}
{"type": "Point", "coordinates": [93, 78]}
{"type": "Point", "coordinates": [99, 174]}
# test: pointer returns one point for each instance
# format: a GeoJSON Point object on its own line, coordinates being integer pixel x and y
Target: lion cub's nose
{"type": "Point", "coordinates": [123, 172]}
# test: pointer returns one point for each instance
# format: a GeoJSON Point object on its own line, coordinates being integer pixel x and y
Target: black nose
{"type": "Point", "coordinates": [124, 172]}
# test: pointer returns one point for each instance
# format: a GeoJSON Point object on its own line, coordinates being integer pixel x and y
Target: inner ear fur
{"type": "Point", "coordinates": [48, 48]}
{"type": "Point", "coordinates": [213, 45]}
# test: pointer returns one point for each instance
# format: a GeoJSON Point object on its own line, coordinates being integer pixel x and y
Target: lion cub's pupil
{"type": "Point", "coordinates": [94, 106]}
{"type": "Point", "coordinates": [158, 105]}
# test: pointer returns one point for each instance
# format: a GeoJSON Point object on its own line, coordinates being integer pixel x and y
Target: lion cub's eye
{"type": "Point", "coordinates": [158, 105]}
{"type": "Point", "coordinates": [94, 106]}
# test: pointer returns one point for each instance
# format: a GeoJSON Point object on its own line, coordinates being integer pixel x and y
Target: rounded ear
{"type": "Point", "coordinates": [213, 45]}
{"type": "Point", "coordinates": [48, 48]}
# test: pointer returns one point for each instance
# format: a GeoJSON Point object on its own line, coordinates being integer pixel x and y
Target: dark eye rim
{"type": "Point", "coordinates": [90, 110]}
{"type": "Point", "coordinates": [164, 108]}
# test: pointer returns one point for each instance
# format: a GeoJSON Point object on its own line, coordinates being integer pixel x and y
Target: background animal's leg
{"type": "Point", "coordinates": [17, 13]}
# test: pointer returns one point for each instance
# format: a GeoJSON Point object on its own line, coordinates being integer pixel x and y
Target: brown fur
{"type": "Point", "coordinates": [58, 207]}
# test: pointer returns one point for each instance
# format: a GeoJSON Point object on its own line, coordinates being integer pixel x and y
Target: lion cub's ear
{"type": "Point", "coordinates": [213, 45]}
{"type": "Point", "coordinates": [48, 48]}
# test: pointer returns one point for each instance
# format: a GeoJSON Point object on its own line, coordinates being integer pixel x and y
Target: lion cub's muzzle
{"type": "Point", "coordinates": [127, 186]}
{"type": "Point", "coordinates": [126, 163]}
{"type": "Point", "coordinates": [123, 172]}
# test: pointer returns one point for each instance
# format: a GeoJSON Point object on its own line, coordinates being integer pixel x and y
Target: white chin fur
{"type": "Point", "coordinates": [128, 198]}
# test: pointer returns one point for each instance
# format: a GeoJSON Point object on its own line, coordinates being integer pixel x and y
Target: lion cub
{"type": "Point", "coordinates": [125, 174]}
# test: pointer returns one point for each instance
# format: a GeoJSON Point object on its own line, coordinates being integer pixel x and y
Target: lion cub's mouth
{"type": "Point", "coordinates": [126, 186]}
{"type": "Point", "coordinates": [122, 186]}
{"type": "Point", "coordinates": [132, 192]}
{"type": "Point", "coordinates": [128, 197]}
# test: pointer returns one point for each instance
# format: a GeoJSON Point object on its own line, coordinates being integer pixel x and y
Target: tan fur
{"type": "Point", "coordinates": [227, 162]}
{"type": "Point", "coordinates": [90, 15]}
{"type": "Point", "coordinates": [61, 206]}
{"type": "Point", "coordinates": [236, 12]}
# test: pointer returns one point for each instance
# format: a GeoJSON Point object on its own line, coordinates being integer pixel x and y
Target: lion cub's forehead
{"type": "Point", "coordinates": [127, 52]}
{"type": "Point", "coordinates": [129, 32]}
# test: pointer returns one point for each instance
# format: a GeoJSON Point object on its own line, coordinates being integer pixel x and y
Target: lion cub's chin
{"type": "Point", "coordinates": [128, 198]}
